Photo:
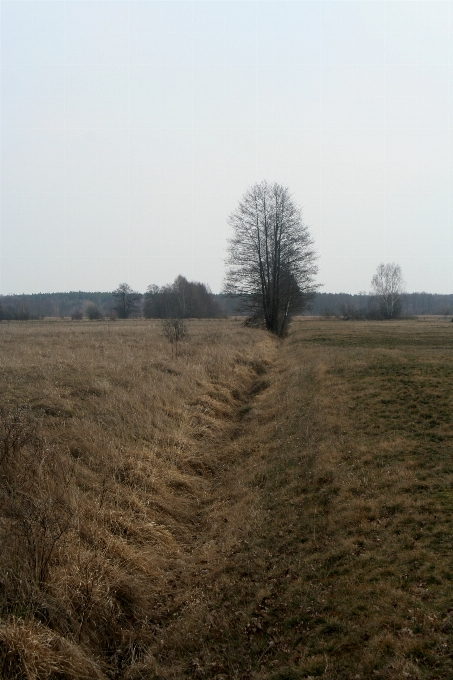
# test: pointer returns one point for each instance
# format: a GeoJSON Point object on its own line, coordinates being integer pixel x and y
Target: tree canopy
{"type": "Point", "coordinates": [271, 261]}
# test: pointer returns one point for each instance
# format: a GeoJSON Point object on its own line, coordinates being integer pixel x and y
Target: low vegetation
{"type": "Point", "coordinates": [110, 447]}
{"type": "Point", "coordinates": [248, 508]}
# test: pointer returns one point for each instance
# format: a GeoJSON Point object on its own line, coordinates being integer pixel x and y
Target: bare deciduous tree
{"type": "Point", "coordinates": [387, 290]}
{"type": "Point", "coordinates": [271, 262]}
{"type": "Point", "coordinates": [126, 300]}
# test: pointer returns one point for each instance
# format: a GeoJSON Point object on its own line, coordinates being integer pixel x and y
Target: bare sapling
{"type": "Point", "coordinates": [175, 331]}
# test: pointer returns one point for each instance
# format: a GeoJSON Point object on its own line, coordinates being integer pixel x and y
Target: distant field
{"type": "Point", "coordinates": [250, 508]}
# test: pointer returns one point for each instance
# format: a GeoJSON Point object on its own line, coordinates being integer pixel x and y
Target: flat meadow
{"type": "Point", "coordinates": [242, 508]}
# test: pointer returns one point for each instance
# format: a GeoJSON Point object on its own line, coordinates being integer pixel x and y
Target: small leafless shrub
{"type": "Point", "coordinates": [175, 331]}
{"type": "Point", "coordinates": [77, 315]}
{"type": "Point", "coordinates": [35, 508]}
{"type": "Point", "coordinates": [93, 312]}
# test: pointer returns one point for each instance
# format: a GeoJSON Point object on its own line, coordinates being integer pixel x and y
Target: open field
{"type": "Point", "coordinates": [247, 509]}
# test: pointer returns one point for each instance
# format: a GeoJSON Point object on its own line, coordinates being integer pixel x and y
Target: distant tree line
{"type": "Point", "coordinates": [182, 299]}
{"type": "Point", "coordinates": [40, 305]}
{"type": "Point", "coordinates": [97, 305]}
{"type": "Point", "coordinates": [185, 299]}
{"type": "Point", "coordinates": [363, 305]}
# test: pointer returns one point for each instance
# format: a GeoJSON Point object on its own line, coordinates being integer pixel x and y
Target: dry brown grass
{"type": "Point", "coordinates": [246, 510]}
{"type": "Point", "coordinates": [102, 503]}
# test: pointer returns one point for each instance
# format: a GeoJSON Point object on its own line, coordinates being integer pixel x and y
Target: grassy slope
{"type": "Point", "coordinates": [130, 443]}
{"type": "Point", "coordinates": [342, 565]}
{"type": "Point", "coordinates": [300, 518]}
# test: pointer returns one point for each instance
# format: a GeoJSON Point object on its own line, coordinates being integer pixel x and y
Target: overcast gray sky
{"type": "Point", "coordinates": [130, 130]}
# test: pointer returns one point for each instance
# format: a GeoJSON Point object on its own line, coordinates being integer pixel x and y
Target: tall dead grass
{"type": "Point", "coordinates": [110, 449]}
